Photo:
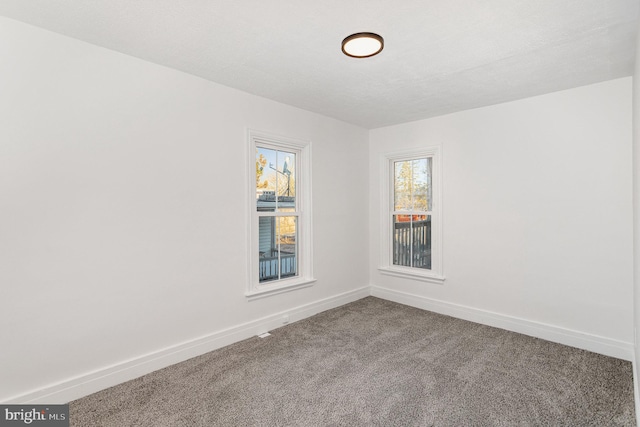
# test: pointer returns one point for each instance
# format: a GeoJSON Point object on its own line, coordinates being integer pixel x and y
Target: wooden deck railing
{"type": "Point", "coordinates": [268, 267]}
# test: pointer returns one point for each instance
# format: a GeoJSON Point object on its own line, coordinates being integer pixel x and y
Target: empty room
{"type": "Point", "coordinates": [271, 213]}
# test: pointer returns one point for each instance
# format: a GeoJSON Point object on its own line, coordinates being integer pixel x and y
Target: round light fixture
{"type": "Point", "coordinates": [362, 45]}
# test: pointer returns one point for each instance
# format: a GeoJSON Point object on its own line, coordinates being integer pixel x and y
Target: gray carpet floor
{"type": "Point", "coordinates": [376, 363]}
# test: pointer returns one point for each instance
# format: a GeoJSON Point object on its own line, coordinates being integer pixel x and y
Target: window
{"type": "Point", "coordinates": [411, 223]}
{"type": "Point", "coordinates": [280, 219]}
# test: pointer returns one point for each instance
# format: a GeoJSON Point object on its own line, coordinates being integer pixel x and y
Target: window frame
{"type": "Point", "coordinates": [386, 266]}
{"type": "Point", "coordinates": [304, 256]}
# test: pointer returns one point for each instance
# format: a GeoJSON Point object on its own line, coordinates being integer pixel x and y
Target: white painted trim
{"type": "Point", "coordinates": [91, 382]}
{"type": "Point", "coordinates": [280, 288]}
{"type": "Point", "coordinates": [597, 344]}
{"type": "Point", "coordinates": [408, 273]}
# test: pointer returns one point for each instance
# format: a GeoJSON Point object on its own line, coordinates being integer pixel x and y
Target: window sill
{"type": "Point", "coordinates": [408, 274]}
{"type": "Point", "coordinates": [263, 291]}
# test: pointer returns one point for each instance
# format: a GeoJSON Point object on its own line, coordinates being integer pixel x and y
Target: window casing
{"type": "Point", "coordinates": [280, 215]}
{"type": "Point", "coordinates": [411, 223]}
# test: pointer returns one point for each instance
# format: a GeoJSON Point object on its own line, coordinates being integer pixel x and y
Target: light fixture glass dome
{"type": "Point", "coordinates": [362, 45]}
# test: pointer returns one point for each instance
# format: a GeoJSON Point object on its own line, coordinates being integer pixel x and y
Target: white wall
{"type": "Point", "coordinates": [122, 208]}
{"type": "Point", "coordinates": [537, 215]}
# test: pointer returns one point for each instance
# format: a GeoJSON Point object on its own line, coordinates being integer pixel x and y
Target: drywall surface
{"type": "Point", "coordinates": [537, 209]}
{"type": "Point", "coordinates": [123, 207]}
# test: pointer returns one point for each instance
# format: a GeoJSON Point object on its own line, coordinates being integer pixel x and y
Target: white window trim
{"type": "Point", "coordinates": [304, 279]}
{"type": "Point", "coordinates": [436, 274]}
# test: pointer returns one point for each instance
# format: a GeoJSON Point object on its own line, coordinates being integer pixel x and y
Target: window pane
{"type": "Point", "coordinates": [402, 240]}
{"type": "Point", "coordinates": [402, 186]}
{"type": "Point", "coordinates": [421, 241]}
{"type": "Point", "coordinates": [286, 166]}
{"type": "Point", "coordinates": [421, 178]}
{"type": "Point", "coordinates": [287, 240]}
{"type": "Point", "coordinates": [278, 248]}
{"type": "Point", "coordinates": [412, 240]}
{"type": "Point", "coordinates": [266, 182]}
{"type": "Point", "coordinates": [268, 250]}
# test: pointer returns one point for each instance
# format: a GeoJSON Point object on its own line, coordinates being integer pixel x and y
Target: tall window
{"type": "Point", "coordinates": [277, 213]}
{"type": "Point", "coordinates": [411, 216]}
{"type": "Point", "coordinates": [280, 217]}
{"type": "Point", "coordinates": [411, 240]}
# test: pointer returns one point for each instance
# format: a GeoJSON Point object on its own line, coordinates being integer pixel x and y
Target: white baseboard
{"type": "Point", "coordinates": [83, 385]}
{"type": "Point", "coordinates": [594, 343]}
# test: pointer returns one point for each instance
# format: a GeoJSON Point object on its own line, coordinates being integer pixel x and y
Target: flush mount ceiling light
{"type": "Point", "coordinates": [362, 45]}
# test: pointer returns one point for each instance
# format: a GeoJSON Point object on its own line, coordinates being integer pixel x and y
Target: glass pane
{"type": "Point", "coordinates": [285, 209]}
{"type": "Point", "coordinates": [421, 241]}
{"type": "Point", "coordinates": [402, 186]}
{"type": "Point", "coordinates": [402, 240]}
{"type": "Point", "coordinates": [412, 241]}
{"type": "Point", "coordinates": [421, 184]}
{"type": "Point", "coordinates": [266, 182]}
{"type": "Point", "coordinates": [287, 240]}
{"type": "Point", "coordinates": [286, 179]}
{"type": "Point", "coordinates": [268, 249]}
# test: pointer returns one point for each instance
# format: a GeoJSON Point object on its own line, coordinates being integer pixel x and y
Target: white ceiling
{"type": "Point", "coordinates": [440, 56]}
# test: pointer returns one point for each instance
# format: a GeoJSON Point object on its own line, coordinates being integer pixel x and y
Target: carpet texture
{"type": "Point", "coordinates": [376, 363]}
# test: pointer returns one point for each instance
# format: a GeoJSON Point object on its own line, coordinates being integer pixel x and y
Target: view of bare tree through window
{"type": "Point", "coordinates": [412, 197]}
{"type": "Point", "coordinates": [277, 213]}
